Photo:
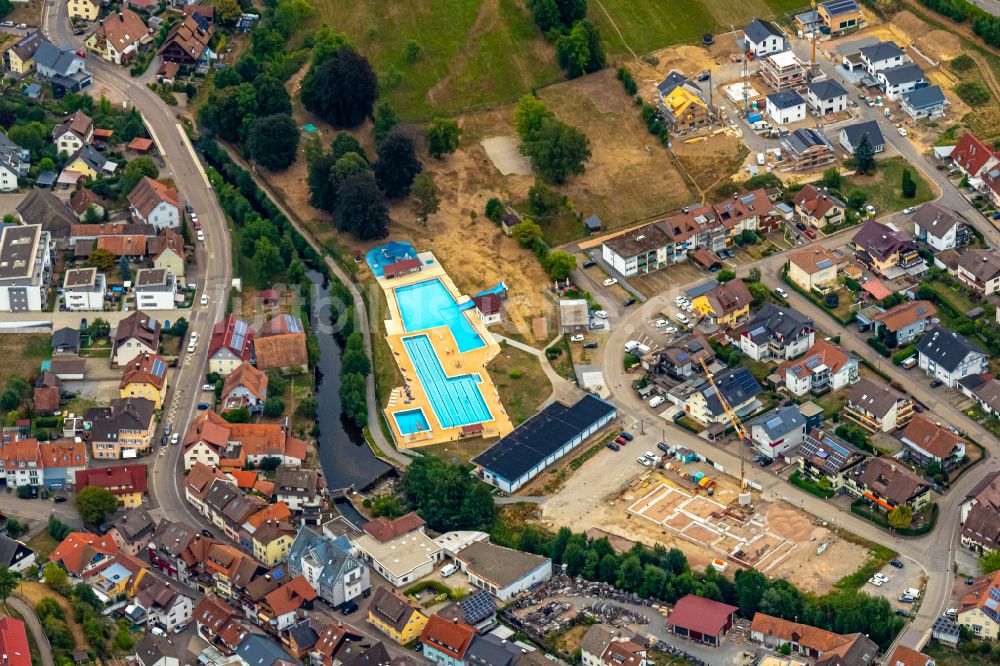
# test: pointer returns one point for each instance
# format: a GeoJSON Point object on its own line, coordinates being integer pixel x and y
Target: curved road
{"type": "Point", "coordinates": [214, 274]}
{"type": "Point", "coordinates": [35, 627]}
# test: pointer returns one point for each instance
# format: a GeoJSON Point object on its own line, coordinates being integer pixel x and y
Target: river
{"type": "Point", "coordinates": [346, 458]}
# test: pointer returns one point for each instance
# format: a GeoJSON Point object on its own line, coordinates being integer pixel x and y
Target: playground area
{"type": "Point", "coordinates": [442, 346]}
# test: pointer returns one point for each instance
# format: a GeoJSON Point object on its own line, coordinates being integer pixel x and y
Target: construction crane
{"type": "Point", "coordinates": [740, 430]}
{"type": "Point", "coordinates": [812, 58]}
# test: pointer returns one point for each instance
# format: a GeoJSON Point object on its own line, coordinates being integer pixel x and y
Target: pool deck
{"type": "Point", "coordinates": [454, 362]}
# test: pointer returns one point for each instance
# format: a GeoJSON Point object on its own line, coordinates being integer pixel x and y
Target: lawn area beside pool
{"type": "Point", "coordinates": [522, 383]}
{"type": "Point", "coordinates": [883, 188]}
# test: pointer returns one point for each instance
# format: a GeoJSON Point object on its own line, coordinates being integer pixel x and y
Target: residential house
{"type": "Point", "coordinates": [980, 270]}
{"type": "Point", "coordinates": [775, 332]}
{"type": "Point", "coordinates": [984, 389]}
{"type": "Point", "coordinates": [15, 162]}
{"type": "Point", "coordinates": [446, 643]}
{"type": "Point", "coordinates": [170, 547]}
{"type": "Point", "coordinates": [700, 399]}
{"type": "Point", "coordinates": [117, 581]}
{"type": "Point", "coordinates": [764, 38]}
{"type": "Point", "coordinates": [300, 638]}
{"type": "Point", "coordinates": [888, 483]}
{"type": "Point", "coordinates": [245, 387]}
{"type": "Point", "coordinates": [64, 69]}
{"type": "Point", "coordinates": [187, 43]}
{"type": "Point", "coordinates": [153, 650]}
{"type": "Point", "coordinates": [850, 136]}
{"type": "Point", "coordinates": [817, 207]}
{"type": "Point", "coordinates": [122, 239]}
{"type": "Point", "coordinates": [826, 647]}
{"type": "Point", "coordinates": [136, 334]}
{"type": "Point", "coordinates": [86, 10]}
{"type": "Point", "coordinates": [219, 624]}
{"type": "Point", "coordinates": [900, 80]}
{"type": "Point", "coordinates": [397, 616]}
{"type": "Point", "coordinates": [43, 208]}
{"type": "Point", "coordinates": [683, 103]}
{"type": "Point", "coordinates": [124, 429]}
{"type": "Point", "coordinates": [89, 163]}
{"type": "Point", "coordinates": [154, 289]}
{"type": "Point", "coordinates": [637, 252]}
{"type": "Point", "coordinates": [28, 462]}
{"type": "Point", "coordinates": [152, 202]}
{"type": "Point", "coordinates": [783, 71]}
{"type": "Point", "coordinates": [84, 289]}
{"type": "Point", "coordinates": [489, 303]}
{"type": "Point", "coordinates": [503, 572]}
{"type": "Point", "coordinates": [877, 407]}
{"type": "Point", "coordinates": [825, 367]}
{"type": "Point", "coordinates": [840, 15]}
{"type": "Point", "coordinates": [329, 566]}
{"type": "Point", "coordinates": [823, 456]}
{"type": "Point", "coordinates": [886, 251]}
{"type": "Point", "coordinates": [120, 37]}
{"type": "Point", "coordinates": [595, 646]}
{"type": "Point", "coordinates": [928, 102]}
{"type": "Point", "coordinates": [776, 432]}
{"type": "Point", "coordinates": [826, 97]}
{"type": "Point", "coordinates": [48, 393]}
{"type": "Point", "coordinates": [14, 642]}
{"type": "Point", "coordinates": [15, 555]}
{"type": "Point", "coordinates": [948, 356]}
{"type": "Point", "coordinates": [231, 344]}
{"type": "Point", "coordinates": [281, 608]}
{"type": "Point", "coordinates": [398, 549]}
{"type": "Point", "coordinates": [66, 340]}
{"type": "Point", "coordinates": [980, 515]}
{"type": "Point", "coordinates": [129, 483]}
{"type": "Point", "coordinates": [299, 489]}
{"type": "Point", "coordinates": [167, 252]}
{"type": "Point", "coordinates": [145, 377]}
{"type": "Point", "coordinates": [478, 610]}
{"type": "Point", "coordinates": [259, 650]}
{"type": "Point", "coordinates": [882, 56]}
{"type": "Point", "coordinates": [814, 269]}
{"type": "Point", "coordinates": [786, 106]}
{"type": "Point", "coordinates": [939, 228]}
{"type": "Point", "coordinates": [974, 158]}
{"type": "Point", "coordinates": [807, 149]}
{"type": "Point", "coordinates": [72, 133]}
{"type": "Point", "coordinates": [131, 530]}
{"type": "Point", "coordinates": [750, 211]}
{"type": "Point", "coordinates": [83, 554]}
{"type": "Point", "coordinates": [25, 268]}
{"type": "Point", "coordinates": [906, 656]}
{"type": "Point", "coordinates": [925, 441]}
{"type": "Point", "coordinates": [702, 620]}
{"type": "Point", "coordinates": [683, 356]}
{"type": "Point", "coordinates": [225, 569]}
{"type": "Point", "coordinates": [727, 304]}
{"type": "Point", "coordinates": [335, 644]}
{"type": "Point", "coordinates": [215, 442]}
{"type": "Point", "coordinates": [19, 59]}
{"type": "Point", "coordinates": [281, 344]}
{"type": "Point", "coordinates": [904, 322]}
{"type": "Point", "coordinates": [491, 650]}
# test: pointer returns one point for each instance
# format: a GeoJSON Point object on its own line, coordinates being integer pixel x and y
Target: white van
{"type": "Point", "coordinates": [448, 570]}
{"type": "Point", "coordinates": [761, 160]}
{"type": "Point", "coordinates": [909, 362]}
{"type": "Point", "coordinates": [656, 401]}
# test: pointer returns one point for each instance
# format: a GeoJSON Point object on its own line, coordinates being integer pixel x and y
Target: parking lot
{"type": "Point", "coordinates": [900, 580]}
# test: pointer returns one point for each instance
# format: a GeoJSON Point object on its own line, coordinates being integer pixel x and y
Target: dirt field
{"type": "Point", "coordinates": [712, 161]}
{"type": "Point", "coordinates": [23, 353]}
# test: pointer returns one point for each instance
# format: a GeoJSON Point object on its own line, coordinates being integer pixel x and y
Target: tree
{"type": "Point", "coordinates": [571, 11]}
{"type": "Point", "coordinates": [543, 200]}
{"type": "Point", "coordinates": [857, 199]}
{"type": "Point", "coordinates": [526, 233]}
{"type": "Point", "coordinates": [557, 150]}
{"type": "Point", "coordinates": [442, 137]}
{"type": "Point", "coordinates": [900, 517]}
{"type": "Point", "coordinates": [102, 259]}
{"type": "Point", "coordinates": [989, 562]}
{"type": "Point", "coordinates": [908, 185]}
{"type": "Point", "coordinates": [349, 165]}
{"type": "Point", "coordinates": [360, 209]}
{"type": "Point", "coordinates": [29, 137]}
{"type": "Point", "coordinates": [864, 155]}
{"type": "Point", "coordinates": [136, 170]}
{"type": "Point", "coordinates": [267, 260]}
{"type": "Point", "coordinates": [99, 328]}
{"type": "Point", "coordinates": [546, 14]}
{"type": "Point", "coordinates": [56, 577]}
{"type": "Point", "coordinates": [630, 574]}
{"type": "Point", "coordinates": [933, 469]}
{"type": "Point", "coordinates": [341, 90]}
{"type": "Point", "coordinates": [124, 269]}
{"type": "Point", "coordinates": [725, 275]}
{"type": "Point", "coordinates": [447, 496]}
{"type": "Point", "coordinates": [322, 189]}
{"type": "Point", "coordinates": [179, 328]}
{"type": "Point", "coordinates": [94, 503]}
{"type": "Point", "coordinates": [385, 120]}
{"type": "Point", "coordinates": [274, 141]}
{"type": "Point", "coordinates": [573, 52]}
{"type": "Point", "coordinates": [397, 165]}
{"type": "Point", "coordinates": [494, 209]}
{"type": "Point", "coordinates": [91, 216]}
{"type": "Point", "coordinates": [594, 45]}
{"type": "Point", "coordinates": [753, 276]}
{"type": "Point", "coordinates": [750, 586]}
{"type": "Point", "coordinates": [272, 97]}
{"type": "Point", "coordinates": [241, 415]}
{"type": "Point", "coordinates": [8, 582]}
{"type": "Point", "coordinates": [228, 11]}
{"type": "Point", "coordinates": [345, 143]}
{"type": "Point", "coordinates": [831, 178]}
{"type": "Point", "coordinates": [529, 116]}
{"type": "Point", "coordinates": [274, 407]}
{"type": "Point", "coordinates": [559, 265]}
{"type": "Point", "coordinates": [425, 197]}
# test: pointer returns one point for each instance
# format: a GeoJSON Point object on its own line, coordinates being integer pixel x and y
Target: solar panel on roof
{"type": "Point", "coordinates": [824, 263]}
{"type": "Point", "coordinates": [159, 367]}
{"type": "Point", "coordinates": [293, 324]}
{"type": "Point", "coordinates": [477, 607]}
{"type": "Point", "coordinates": [239, 334]}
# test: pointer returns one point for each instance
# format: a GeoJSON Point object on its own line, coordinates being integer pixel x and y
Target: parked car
{"type": "Point", "coordinates": [601, 314]}
{"type": "Point", "coordinates": [936, 383]}
{"type": "Point", "coordinates": [681, 318]}
{"type": "Point", "coordinates": [907, 211]}
{"type": "Point", "coordinates": [627, 436]}
{"type": "Point", "coordinates": [620, 441]}
{"type": "Point", "coordinates": [207, 387]}
{"type": "Point", "coordinates": [175, 438]}
{"type": "Point", "coordinates": [870, 209]}
{"type": "Point", "coordinates": [188, 208]}
{"type": "Point", "coordinates": [670, 330]}
{"type": "Point", "coordinates": [448, 570]}
{"type": "Point", "coordinates": [628, 302]}
{"type": "Point", "coordinates": [800, 226]}
{"type": "Point", "coordinates": [204, 300]}
{"type": "Point", "coordinates": [663, 447]}
{"type": "Point", "coordinates": [614, 447]}
{"type": "Point", "coordinates": [590, 345]}
{"type": "Point", "coordinates": [656, 401]}
{"type": "Point", "coordinates": [781, 292]}
{"type": "Point", "coordinates": [901, 130]}
{"type": "Point", "coordinates": [351, 606]}
{"type": "Point", "coordinates": [576, 338]}
{"type": "Point", "coordinates": [589, 264]}
{"type": "Point", "coordinates": [875, 581]}
{"type": "Point", "coordinates": [643, 461]}
{"type": "Point", "coordinates": [659, 323]}
{"type": "Point", "coordinates": [903, 613]}
{"type": "Point", "coordinates": [896, 563]}
{"type": "Point", "coordinates": [201, 236]}
{"type": "Point", "coordinates": [202, 406]}
{"type": "Point", "coordinates": [59, 500]}
{"type": "Point", "coordinates": [610, 281]}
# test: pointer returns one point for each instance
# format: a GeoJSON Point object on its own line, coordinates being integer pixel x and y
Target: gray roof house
{"type": "Point", "coordinates": [329, 565]}
{"type": "Point", "coordinates": [948, 356]}
{"type": "Point", "coordinates": [490, 650]}
{"type": "Point", "coordinates": [14, 554]}
{"type": "Point", "coordinates": [44, 208]}
{"type": "Point", "coordinates": [764, 38]}
{"type": "Point", "coordinates": [14, 163]}
{"type": "Point", "coordinates": [66, 340]}
{"type": "Point", "coordinates": [902, 79]}
{"type": "Point", "coordinates": [826, 96]}
{"type": "Point", "coordinates": [850, 136]}
{"type": "Point", "coordinates": [780, 430]}
{"type": "Point", "coordinates": [737, 385]}
{"type": "Point", "coordinates": [155, 650]}
{"type": "Point", "coordinates": [926, 102]}
{"type": "Point", "coordinates": [775, 332]}
{"type": "Point", "coordinates": [66, 70]}
{"type": "Point", "coordinates": [260, 650]}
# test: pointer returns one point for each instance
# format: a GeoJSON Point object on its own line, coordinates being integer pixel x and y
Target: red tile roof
{"type": "Point", "coordinates": [698, 614]}
{"type": "Point", "coordinates": [14, 642]}
{"type": "Point", "coordinates": [149, 193]}
{"type": "Point", "coordinates": [972, 155]}
{"type": "Point", "coordinates": [140, 144]}
{"type": "Point", "coordinates": [123, 246]}
{"type": "Point", "coordinates": [877, 290]}
{"type": "Point", "coordinates": [244, 478]}
{"type": "Point", "coordinates": [290, 596]}
{"type": "Point", "coordinates": [277, 511]}
{"type": "Point", "coordinates": [248, 377]}
{"type": "Point", "coordinates": [119, 479]}
{"type": "Point", "coordinates": [224, 335]}
{"type": "Point", "coordinates": [451, 638]}
{"type": "Point", "coordinates": [144, 369]}
{"type": "Point", "coordinates": [79, 549]}
{"type": "Point", "coordinates": [384, 530]}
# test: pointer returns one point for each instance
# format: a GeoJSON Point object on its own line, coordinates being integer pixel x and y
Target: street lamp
{"type": "Point", "coordinates": [642, 429]}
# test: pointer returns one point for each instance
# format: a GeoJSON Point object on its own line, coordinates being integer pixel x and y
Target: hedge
{"type": "Point", "coordinates": [810, 486]}
{"type": "Point", "coordinates": [859, 508]}
{"type": "Point", "coordinates": [904, 353]}
{"type": "Point", "coordinates": [878, 346]}
{"type": "Point", "coordinates": [816, 301]}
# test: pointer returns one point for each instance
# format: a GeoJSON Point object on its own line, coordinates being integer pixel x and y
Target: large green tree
{"type": "Point", "coordinates": [447, 496]}
{"type": "Point", "coordinates": [271, 96]}
{"type": "Point", "coordinates": [864, 155]}
{"type": "Point", "coordinates": [442, 137]}
{"type": "Point", "coordinates": [8, 582]}
{"type": "Point", "coordinates": [360, 209]}
{"type": "Point", "coordinates": [136, 170]}
{"type": "Point", "coordinates": [557, 150]}
{"type": "Point", "coordinates": [95, 504]}
{"type": "Point", "coordinates": [385, 119]}
{"type": "Point", "coordinates": [273, 141]}
{"type": "Point", "coordinates": [342, 90]}
{"type": "Point", "coordinates": [425, 197]}
{"type": "Point", "coordinates": [397, 165]}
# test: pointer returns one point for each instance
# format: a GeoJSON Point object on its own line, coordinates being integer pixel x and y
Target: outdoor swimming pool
{"type": "Point", "coordinates": [456, 401]}
{"type": "Point", "coordinates": [411, 421]}
{"type": "Point", "coordinates": [428, 304]}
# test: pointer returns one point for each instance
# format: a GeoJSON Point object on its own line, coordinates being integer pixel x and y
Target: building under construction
{"type": "Point", "coordinates": [807, 149]}
{"type": "Point", "coordinates": [783, 71]}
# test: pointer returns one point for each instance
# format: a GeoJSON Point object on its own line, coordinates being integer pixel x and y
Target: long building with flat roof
{"type": "Point", "coordinates": [541, 440]}
{"type": "Point", "coordinates": [25, 268]}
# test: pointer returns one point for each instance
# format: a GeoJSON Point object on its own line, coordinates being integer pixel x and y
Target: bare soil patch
{"type": "Point", "coordinates": [711, 160]}
{"type": "Point", "coordinates": [908, 25]}
{"type": "Point", "coordinates": [939, 45]}
{"type": "Point", "coordinates": [503, 152]}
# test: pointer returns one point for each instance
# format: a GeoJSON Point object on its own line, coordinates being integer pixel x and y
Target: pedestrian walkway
{"type": "Point", "coordinates": [35, 627]}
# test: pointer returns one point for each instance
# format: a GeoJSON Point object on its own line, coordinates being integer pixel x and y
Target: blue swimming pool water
{"type": "Point", "coordinates": [428, 304]}
{"type": "Point", "coordinates": [411, 421]}
{"type": "Point", "coordinates": [390, 253]}
{"type": "Point", "coordinates": [456, 401]}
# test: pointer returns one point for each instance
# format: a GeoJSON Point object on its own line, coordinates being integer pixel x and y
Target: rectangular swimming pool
{"type": "Point", "coordinates": [411, 421]}
{"type": "Point", "coordinates": [428, 304]}
{"type": "Point", "coordinates": [456, 401]}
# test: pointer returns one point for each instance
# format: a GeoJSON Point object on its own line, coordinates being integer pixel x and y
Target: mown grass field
{"type": "Point", "coordinates": [472, 52]}
{"type": "Point", "coordinates": [884, 187]}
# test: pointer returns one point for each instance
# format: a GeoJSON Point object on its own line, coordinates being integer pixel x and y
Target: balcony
{"type": "Point", "coordinates": [869, 423]}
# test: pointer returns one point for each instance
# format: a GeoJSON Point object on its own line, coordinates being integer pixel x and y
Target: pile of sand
{"type": "Point", "coordinates": [908, 25]}
{"type": "Point", "coordinates": [939, 45]}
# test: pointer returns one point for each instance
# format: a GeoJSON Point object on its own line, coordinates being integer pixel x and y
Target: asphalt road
{"type": "Point", "coordinates": [214, 274]}
{"type": "Point", "coordinates": [935, 551]}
